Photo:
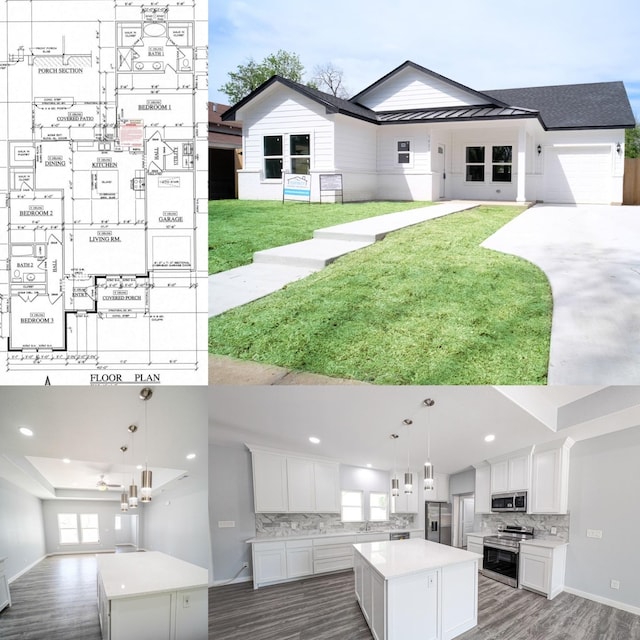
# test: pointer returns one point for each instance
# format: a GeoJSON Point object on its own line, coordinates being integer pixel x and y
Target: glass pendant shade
{"type": "Point", "coordinates": [395, 487]}
{"type": "Point", "coordinates": [428, 475]}
{"type": "Point", "coordinates": [145, 489]}
{"type": "Point", "coordinates": [124, 501]}
{"type": "Point", "coordinates": [408, 482]}
{"type": "Point", "coordinates": [133, 496]}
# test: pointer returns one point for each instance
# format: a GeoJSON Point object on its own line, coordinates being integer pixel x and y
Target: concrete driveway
{"type": "Point", "coordinates": [591, 255]}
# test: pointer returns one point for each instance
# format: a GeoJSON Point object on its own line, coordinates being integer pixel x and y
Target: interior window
{"type": "Point", "coordinates": [378, 506]}
{"type": "Point", "coordinates": [352, 506]}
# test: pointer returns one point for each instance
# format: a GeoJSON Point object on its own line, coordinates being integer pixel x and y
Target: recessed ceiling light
{"type": "Point", "coordinates": [191, 456]}
{"type": "Point", "coordinates": [314, 440]}
{"type": "Point", "coordinates": [489, 438]}
{"type": "Point", "coordinates": [369, 465]}
{"type": "Point", "coordinates": [138, 467]}
{"type": "Point", "coordinates": [26, 432]}
{"type": "Point", "coordinates": [66, 460]}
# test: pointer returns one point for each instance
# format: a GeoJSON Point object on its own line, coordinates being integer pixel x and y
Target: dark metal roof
{"type": "Point", "coordinates": [599, 105]}
{"type": "Point", "coordinates": [448, 114]}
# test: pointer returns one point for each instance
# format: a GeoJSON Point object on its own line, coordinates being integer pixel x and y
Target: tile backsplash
{"type": "Point", "coordinates": [541, 524]}
{"type": "Point", "coordinates": [281, 525]}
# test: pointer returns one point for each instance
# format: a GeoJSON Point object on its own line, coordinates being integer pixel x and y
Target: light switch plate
{"type": "Point", "coordinates": [594, 533]}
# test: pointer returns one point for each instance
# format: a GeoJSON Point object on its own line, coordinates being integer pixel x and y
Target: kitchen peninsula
{"type": "Point", "coordinates": [415, 589]}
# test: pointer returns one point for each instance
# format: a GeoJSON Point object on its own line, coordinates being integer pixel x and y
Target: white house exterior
{"type": "Point", "coordinates": [416, 135]}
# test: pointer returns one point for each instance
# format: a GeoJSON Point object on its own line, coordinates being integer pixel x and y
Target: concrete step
{"type": "Point", "coordinates": [310, 254]}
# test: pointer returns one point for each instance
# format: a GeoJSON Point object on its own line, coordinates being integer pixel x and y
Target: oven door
{"type": "Point", "coordinates": [501, 564]}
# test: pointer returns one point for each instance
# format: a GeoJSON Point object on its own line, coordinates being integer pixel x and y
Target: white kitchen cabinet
{"type": "Point", "coordinates": [269, 563]}
{"type": "Point", "coordinates": [440, 491]}
{"type": "Point", "coordinates": [475, 544]}
{"type": "Point", "coordinates": [417, 534]}
{"type": "Point", "coordinates": [286, 483]}
{"type": "Point", "coordinates": [299, 558]}
{"type": "Point", "coordinates": [5, 596]}
{"type": "Point", "coordinates": [370, 593]}
{"type": "Point", "coordinates": [414, 598]}
{"type": "Point", "coordinates": [483, 489]}
{"type": "Point", "coordinates": [511, 474]}
{"type": "Point", "coordinates": [270, 482]}
{"type": "Point", "coordinates": [542, 569]}
{"type": "Point", "coordinates": [333, 553]}
{"type": "Point", "coordinates": [550, 477]}
{"type": "Point", "coordinates": [407, 502]}
{"type": "Point", "coordinates": [151, 595]}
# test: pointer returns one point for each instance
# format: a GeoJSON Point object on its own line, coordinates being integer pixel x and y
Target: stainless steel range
{"type": "Point", "coordinates": [502, 553]}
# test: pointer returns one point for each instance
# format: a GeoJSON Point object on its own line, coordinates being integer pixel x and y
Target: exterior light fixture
{"type": "Point", "coordinates": [539, 149]}
{"type": "Point", "coordinates": [428, 467]}
{"type": "Point", "coordinates": [146, 480]}
{"type": "Point", "coordinates": [618, 148]}
{"type": "Point", "coordinates": [408, 476]}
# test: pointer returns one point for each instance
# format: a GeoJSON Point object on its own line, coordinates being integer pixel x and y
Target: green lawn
{"type": "Point", "coordinates": [238, 228]}
{"type": "Point", "coordinates": [426, 305]}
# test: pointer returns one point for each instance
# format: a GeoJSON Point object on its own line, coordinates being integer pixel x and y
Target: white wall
{"type": "Point", "coordinates": [604, 490]}
{"type": "Point", "coordinates": [230, 498]}
{"type": "Point", "coordinates": [22, 531]}
{"type": "Point", "coordinates": [175, 522]}
{"type": "Point", "coordinates": [463, 482]}
{"type": "Point", "coordinates": [106, 511]}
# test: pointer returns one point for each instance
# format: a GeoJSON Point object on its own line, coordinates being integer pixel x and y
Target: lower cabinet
{"type": "Point", "coordinates": [5, 597]}
{"type": "Point", "coordinates": [542, 569]}
{"type": "Point", "coordinates": [370, 592]}
{"type": "Point", "coordinates": [269, 563]}
{"type": "Point", "coordinates": [475, 544]}
{"type": "Point", "coordinates": [299, 558]}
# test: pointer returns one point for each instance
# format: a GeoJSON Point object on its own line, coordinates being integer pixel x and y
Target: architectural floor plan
{"type": "Point", "coordinates": [103, 192]}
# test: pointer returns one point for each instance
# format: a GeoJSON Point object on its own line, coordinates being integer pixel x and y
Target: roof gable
{"type": "Point", "coordinates": [411, 86]}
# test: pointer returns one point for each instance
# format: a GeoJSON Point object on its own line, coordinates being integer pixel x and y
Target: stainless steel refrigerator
{"type": "Point", "coordinates": [437, 522]}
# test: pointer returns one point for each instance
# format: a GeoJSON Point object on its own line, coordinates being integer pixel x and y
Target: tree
{"type": "Point", "coordinates": [632, 142]}
{"type": "Point", "coordinates": [328, 77]}
{"type": "Point", "coordinates": [250, 76]}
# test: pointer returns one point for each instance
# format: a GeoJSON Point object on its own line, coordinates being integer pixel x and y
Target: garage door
{"type": "Point", "coordinates": [577, 175]}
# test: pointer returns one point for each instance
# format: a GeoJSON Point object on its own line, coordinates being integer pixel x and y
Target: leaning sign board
{"type": "Point", "coordinates": [296, 187]}
{"type": "Point", "coordinates": [331, 182]}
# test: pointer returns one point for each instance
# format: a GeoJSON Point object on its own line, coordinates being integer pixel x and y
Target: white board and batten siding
{"type": "Point", "coordinates": [284, 112]}
{"type": "Point", "coordinates": [411, 89]}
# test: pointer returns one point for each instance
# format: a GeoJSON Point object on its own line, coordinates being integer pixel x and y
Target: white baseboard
{"type": "Point", "coordinates": [220, 583]}
{"type": "Point", "coordinates": [610, 603]}
{"type": "Point", "coordinates": [20, 573]}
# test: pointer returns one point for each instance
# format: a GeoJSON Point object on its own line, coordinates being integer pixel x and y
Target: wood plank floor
{"type": "Point", "coordinates": [56, 600]}
{"type": "Point", "coordinates": [324, 608]}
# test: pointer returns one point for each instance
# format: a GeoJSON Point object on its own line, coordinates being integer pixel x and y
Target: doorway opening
{"type": "Point", "coordinates": [463, 518]}
{"type": "Point", "coordinates": [126, 530]}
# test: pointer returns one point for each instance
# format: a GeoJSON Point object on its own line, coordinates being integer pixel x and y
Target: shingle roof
{"type": "Point", "coordinates": [599, 105]}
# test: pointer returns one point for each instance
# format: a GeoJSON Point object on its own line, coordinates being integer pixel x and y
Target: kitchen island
{"type": "Point", "coordinates": [151, 596]}
{"type": "Point", "coordinates": [416, 590]}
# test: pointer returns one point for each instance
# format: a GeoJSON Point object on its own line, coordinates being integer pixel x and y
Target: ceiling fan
{"type": "Point", "coordinates": [101, 485]}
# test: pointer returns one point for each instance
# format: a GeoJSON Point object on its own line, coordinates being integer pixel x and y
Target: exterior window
{"type": "Point", "coordinates": [273, 157]}
{"type": "Point", "coordinates": [404, 152]}
{"type": "Point", "coordinates": [300, 149]}
{"type": "Point", "coordinates": [352, 506]}
{"type": "Point", "coordinates": [501, 159]}
{"type": "Point", "coordinates": [475, 164]}
{"type": "Point", "coordinates": [78, 530]}
{"type": "Point", "coordinates": [378, 506]}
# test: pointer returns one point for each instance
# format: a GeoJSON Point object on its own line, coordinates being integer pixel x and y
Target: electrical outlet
{"type": "Point", "coordinates": [594, 533]}
{"type": "Point", "coordinates": [615, 584]}
{"type": "Point", "coordinates": [245, 565]}
{"type": "Point", "coordinates": [294, 525]}
{"type": "Point", "coordinates": [554, 531]}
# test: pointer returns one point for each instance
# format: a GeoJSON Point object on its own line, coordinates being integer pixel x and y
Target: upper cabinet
{"type": "Point", "coordinates": [287, 483]}
{"type": "Point", "coordinates": [440, 491]}
{"type": "Point", "coordinates": [511, 473]}
{"type": "Point", "coordinates": [550, 477]}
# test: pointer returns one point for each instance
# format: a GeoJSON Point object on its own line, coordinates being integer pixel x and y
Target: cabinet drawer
{"type": "Point", "coordinates": [299, 544]}
{"type": "Point", "coordinates": [373, 537]}
{"type": "Point", "coordinates": [259, 547]}
{"type": "Point", "coordinates": [539, 552]}
{"type": "Point", "coordinates": [333, 551]}
{"type": "Point", "coordinates": [321, 542]}
{"type": "Point", "coordinates": [332, 564]}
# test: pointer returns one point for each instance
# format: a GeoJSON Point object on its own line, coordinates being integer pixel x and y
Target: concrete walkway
{"type": "Point", "coordinates": [591, 256]}
{"type": "Point", "coordinates": [273, 269]}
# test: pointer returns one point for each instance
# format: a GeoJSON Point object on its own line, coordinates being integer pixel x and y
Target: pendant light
{"type": "Point", "coordinates": [408, 476]}
{"type": "Point", "coordinates": [133, 489]}
{"type": "Point", "coordinates": [395, 483]}
{"type": "Point", "coordinates": [428, 467]}
{"type": "Point", "coordinates": [145, 490]}
{"type": "Point", "coordinates": [124, 497]}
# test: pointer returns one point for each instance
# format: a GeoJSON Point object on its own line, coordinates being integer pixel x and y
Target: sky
{"type": "Point", "coordinates": [478, 43]}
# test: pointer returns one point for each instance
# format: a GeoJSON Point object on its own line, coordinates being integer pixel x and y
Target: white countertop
{"type": "Point", "coordinates": [133, 574]}
{"type": "Point", "coordinates": [332, 534]}
{"type": "Point", "coordinates": [549, 544]}
{"type": "Point", "coordinates": [481, 534]}
{"type": "Point", "coordinates": [404, 557]}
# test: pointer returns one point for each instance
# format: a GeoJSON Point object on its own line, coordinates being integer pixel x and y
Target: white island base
{"type": "Point", "coordinates": [151, 596]}
{"type": "Point", "coordinates": [416, 590]}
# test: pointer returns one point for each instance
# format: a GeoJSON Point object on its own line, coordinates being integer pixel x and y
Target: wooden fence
{"type": "Point", "coordinates": [631, 184]}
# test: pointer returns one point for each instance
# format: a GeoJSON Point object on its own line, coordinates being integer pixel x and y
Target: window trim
{"type": "Point", "coordinates": [266, 157]}
{"type": "Point", "coordinates": [79, 529]}
{"type": "Point", "coordinates": [299, 156]}
{"type": "Point", "coordinates": [468, 164]}
{"type": "Point", "coordinates": [402, 151]}
{"type": "Point", "coordinates": [502, 164]}
{"type": "Point", "coordinates": [358, 492]}
{"type": "Point", "coordinates": [386, 507]}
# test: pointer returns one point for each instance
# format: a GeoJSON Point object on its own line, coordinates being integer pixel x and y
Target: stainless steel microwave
{"type": "Point", "coordinates": [515, 501]}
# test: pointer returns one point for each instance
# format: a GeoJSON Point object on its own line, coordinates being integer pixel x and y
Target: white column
{"type": "Point", "coordinates": [522, 164]}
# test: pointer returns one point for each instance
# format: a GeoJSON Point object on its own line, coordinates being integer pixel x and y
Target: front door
{"type": "Point", "coordinates": [441, 168]}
